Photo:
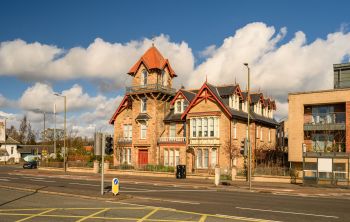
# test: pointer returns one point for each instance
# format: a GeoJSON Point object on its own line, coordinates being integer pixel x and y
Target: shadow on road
{"type": "Point", "coordinates": [27, 195]}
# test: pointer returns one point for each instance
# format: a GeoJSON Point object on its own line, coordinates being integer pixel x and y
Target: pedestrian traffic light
{"type": "Point", "coordinates": [109, 145]}
{"type": "Point", "coordinates": [244, 147]}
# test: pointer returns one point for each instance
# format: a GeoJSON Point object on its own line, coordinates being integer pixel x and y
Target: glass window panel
{"type": "Point", "coordinates": [206, 158]}
{"type": "Point", "coordinates": [213, 158]}
{"type": "Point", "coordinates": [211, 127]}
{"type": "Point", "coordinates": [172, 130]}
{"type": "Point", "coordinates": [194, 128]}
{"type": "Point", "coordinates": [205, 127]}
{"type": "Point", "coordinates": [171, 158]}
{"type": "Point", "coordinates": [166, 157]}
{"type": "Point", "coordinates": [199, 127]}
{"type": "Point", "coordinates": [177, 157]}
{"type": "Point", "coordinates": [199, 158]}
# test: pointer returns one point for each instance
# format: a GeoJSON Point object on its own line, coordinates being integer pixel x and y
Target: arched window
{"type": "Point", "coordinates": [144, 77]}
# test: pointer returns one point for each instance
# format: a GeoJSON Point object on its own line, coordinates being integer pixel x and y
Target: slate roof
{"type": "Point", "coordinates": [173, 117]}
{"type": "Point", "coordinates": [255, 97]}
{"type": "Point", "coordinates": [10, 140]}
{"type": "Point", "coordinates": [227, 90]}
{"type": "Point", "coordinates": [188, 94]}
{"type": "Point", "coordinates": [143, 116]}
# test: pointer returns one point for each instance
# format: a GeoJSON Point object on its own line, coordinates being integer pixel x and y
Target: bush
{"type": "Point", "coordinates": [159, 168]}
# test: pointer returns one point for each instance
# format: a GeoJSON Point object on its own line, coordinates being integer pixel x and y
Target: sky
{"type": "Point", "coordinates": [83, 49]}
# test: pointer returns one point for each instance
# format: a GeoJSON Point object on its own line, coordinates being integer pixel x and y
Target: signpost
{"type": "Point", "coordinates": [115, 186]}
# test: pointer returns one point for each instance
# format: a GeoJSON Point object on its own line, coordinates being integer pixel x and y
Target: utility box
{"type": "Point", "coordinates": [181, 172]}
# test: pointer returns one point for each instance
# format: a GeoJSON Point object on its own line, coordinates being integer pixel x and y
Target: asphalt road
{"type": "Point", "coordinates": [200, 200]}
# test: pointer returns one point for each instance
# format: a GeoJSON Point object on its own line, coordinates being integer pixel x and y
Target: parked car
{"type": "Point", "coordinates": [30, 165]}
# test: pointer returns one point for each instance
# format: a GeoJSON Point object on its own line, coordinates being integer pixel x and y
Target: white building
{"type": "Point", "coordinates": [9, 151]}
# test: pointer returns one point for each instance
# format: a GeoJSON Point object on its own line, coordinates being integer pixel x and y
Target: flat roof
{"type": "Point", "coordinates": [319, 91]}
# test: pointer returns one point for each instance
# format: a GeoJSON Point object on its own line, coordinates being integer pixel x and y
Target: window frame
{"type": "Point", "coordinates": [143, 128]}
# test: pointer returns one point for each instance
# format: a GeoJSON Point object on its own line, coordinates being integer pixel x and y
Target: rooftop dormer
{"type": "Point", "coordinates": [152, 72]}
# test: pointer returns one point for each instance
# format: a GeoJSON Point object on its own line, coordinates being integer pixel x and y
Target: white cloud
{"type": "Point", "coordinates": [100, 60]}
{"type": "Point", "coordinates": [276, 67]}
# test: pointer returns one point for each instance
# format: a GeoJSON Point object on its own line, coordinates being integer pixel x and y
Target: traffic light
{"type": "Point", "coordinates": [109, 145]}
{"type": "Point", "coordinates": [244, 147]}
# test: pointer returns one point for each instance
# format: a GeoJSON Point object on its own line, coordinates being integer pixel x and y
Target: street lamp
{"type": "Point", "coordinates": [65, 130]}
{"type": "Point", "coordinates": [248, 123]}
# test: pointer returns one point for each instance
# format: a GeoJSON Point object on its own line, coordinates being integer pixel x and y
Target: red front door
{"type": "Point", "coordinates": [143, 157]}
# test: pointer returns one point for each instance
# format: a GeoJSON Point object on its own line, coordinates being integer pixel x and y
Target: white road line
{"type": "Point", "coordinates": [167, 200]}
{"type": "Point", "coordinates": [150, 191]}
{"type": "Point", "coordinates": [46, 181]}
{"type": "Point", "coordinates": [85, 184]}
{"type": "Point", "coordinates": [131, 188]}
{"type": "Point", "coordinates": [287, 212]}
{"type": "Point", "coordinates": [244, 218]}
{"type": "Point", "coordinates": [4, 179]}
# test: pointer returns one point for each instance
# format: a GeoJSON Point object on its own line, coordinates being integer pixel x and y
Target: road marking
{"type": "Point", "coordinates": [46, 181]}
{"type": "Point", "coordinates": [150, 191]}
{"type": "Point", "coordinates": [4, 179]}
{"type": "Point", "coordinates": [243, 218]}
{"type": "Point", "coordinates": [92, 215]}
{"type": "Point", "coordinates": [203, 218]}
{"type": "Point", "coordinates": [35, 215]}
{"type": "Point", "coordinates": [288, 212]}
{"type": "Point", "coordinates": [166, 200]}
{"type": "Point", "coordinates": [86, 184]}
{"type": "Point", "coordinates": [148, 215]}
{"type": "Point", "coordinates": [132, 188]}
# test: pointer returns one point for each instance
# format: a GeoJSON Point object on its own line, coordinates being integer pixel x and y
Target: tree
{"type": "Point", "coordinates": [13, 133]}
{"type": "Point", "coordinates": [31, 138]}
{"type": "Point", "coordinates": [23, 129]}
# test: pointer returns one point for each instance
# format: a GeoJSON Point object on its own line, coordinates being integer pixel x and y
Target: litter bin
{"type": "Point", "coordinates": [181, 172]}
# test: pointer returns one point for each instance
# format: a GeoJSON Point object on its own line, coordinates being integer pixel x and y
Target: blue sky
{"type": "Point", "coordinates": [199, 24]}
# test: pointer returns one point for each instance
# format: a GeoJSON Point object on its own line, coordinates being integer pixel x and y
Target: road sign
{"type": "Point", "coordinates": [115, 186]}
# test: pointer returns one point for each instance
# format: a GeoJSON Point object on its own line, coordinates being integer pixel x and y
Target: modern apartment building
{"type": "Point", "coordinates": [319, 130]}
{"type": "Point", "coordinates": [200, 128]}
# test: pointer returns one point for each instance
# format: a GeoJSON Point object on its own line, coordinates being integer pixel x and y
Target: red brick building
{"type": "Point", "coordinates": [200, 128]}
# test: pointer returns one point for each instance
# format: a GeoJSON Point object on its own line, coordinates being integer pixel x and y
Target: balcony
{"type": "Point", "coordinates": [325, 147]}
{"type": "Point", "coordinates": [124, 141]}
{"type": "Point", "coordinates": [150, 88]}
{"type": "Point", "coordinates": [324, 121]}
{"type": "Point", "coordinates": [172, 140]}
{"type": "Point", "coordinates": [204, 141]}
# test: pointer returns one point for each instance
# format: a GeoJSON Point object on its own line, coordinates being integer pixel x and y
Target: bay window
{"type": "Point", "coordinates": [199, 159]}
{"type": "Point", "coordinates": [204, 127]}
{"type": "Point", "coordinates": [166, 157]}
{"type": "Point", "coordinates": [202, 158]}
{"type": "Point", "coordinates": [126, 156]}
{"type": "Point", "coordinates": [171, 157]}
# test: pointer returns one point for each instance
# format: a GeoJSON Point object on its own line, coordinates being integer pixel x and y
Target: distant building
{"type": "Point", "coordinates": [9, 150]}
{"type": "Point", "coordinates": [201, 128]}
{"type": "Point", "coordinates": [341, 75]}
{"type": "Point", "coordinates": [282, 135]}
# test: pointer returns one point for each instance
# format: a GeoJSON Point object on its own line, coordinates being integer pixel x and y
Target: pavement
{"type": "Point", "coordinates": [267, 201]}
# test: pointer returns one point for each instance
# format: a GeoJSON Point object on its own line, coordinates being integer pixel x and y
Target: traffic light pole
{"type": "Point", "coordinates": [103, 161]}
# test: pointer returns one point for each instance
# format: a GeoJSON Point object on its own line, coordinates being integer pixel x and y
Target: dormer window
{"type": "Point", "coordinates": [180, 105]}
{"type": "Point", "coordinates": [144, 75]}
{"type": "Point", "coordinates": [144, 105]}
{"type": "Point", "coordinates": [234, 101]}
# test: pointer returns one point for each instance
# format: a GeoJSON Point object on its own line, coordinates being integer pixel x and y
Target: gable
{"type": "Point", "coordinates": [207, 94]}
{"type": "Point", "coordinates": [124, 104]}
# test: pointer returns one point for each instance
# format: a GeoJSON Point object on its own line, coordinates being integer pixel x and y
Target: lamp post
{"type": "Point", "coordinates": [248, 123]}
{"type": "Point", "coordinates": [65, 130]}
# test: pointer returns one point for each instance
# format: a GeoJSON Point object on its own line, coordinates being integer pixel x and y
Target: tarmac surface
{"type": "Point", "coordinates": [198, 200]}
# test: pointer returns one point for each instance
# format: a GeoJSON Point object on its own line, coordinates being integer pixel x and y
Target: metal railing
{"type": "Point", "coordinates": [172, 140]}
{"type": "Point", "coordinates": [328, 146]}
{"type": "Point", "coordinates": [324, 121]}
{"type": "Point", "coordinates": [124, 140]}
{"type": "Point", "coordinates": [150, 88]}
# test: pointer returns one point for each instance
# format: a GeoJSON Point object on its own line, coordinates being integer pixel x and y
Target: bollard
{"type": "Point", "coordinates": [106, 166]}
{"type": "Point", "coordinates": [233, 173]}
{"type": "Point", "coordinates": [96, 166]}
{"type": "Point", "coordinates": [217, 176]}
